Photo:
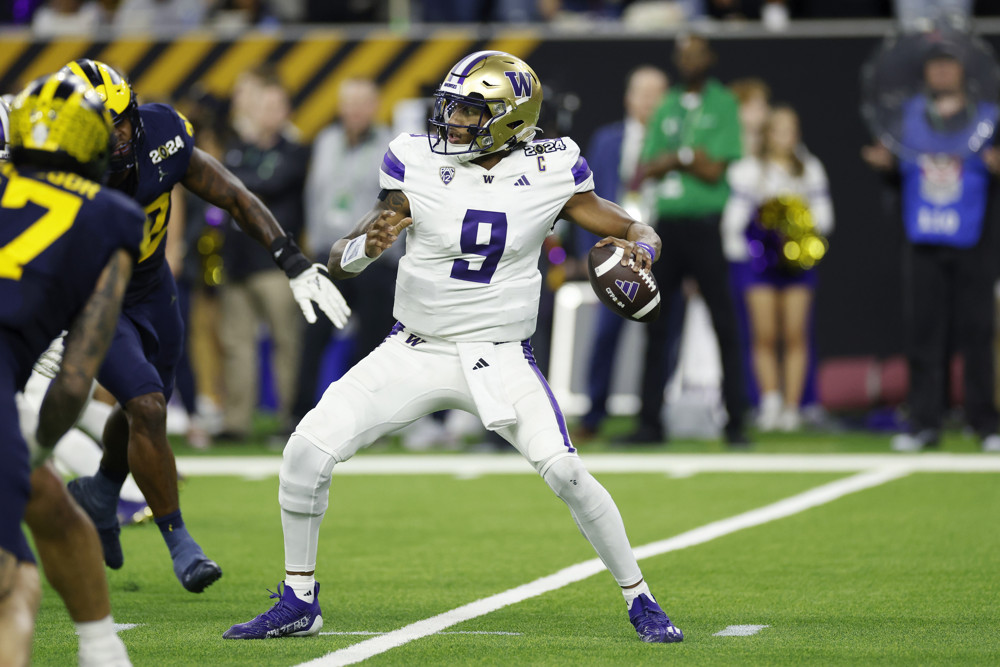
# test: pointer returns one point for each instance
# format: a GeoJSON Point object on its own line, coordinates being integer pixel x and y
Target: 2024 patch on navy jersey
{"type": "Point", "coordinates": [57, 232]}
{"type": "Point", "coordinates": [163, 155]}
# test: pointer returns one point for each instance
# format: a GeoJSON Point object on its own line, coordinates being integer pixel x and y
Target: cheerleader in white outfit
{"type": "Point", "coordinates": [779, 300]}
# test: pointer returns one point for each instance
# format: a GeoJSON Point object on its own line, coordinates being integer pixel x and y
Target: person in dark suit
{"type": "Point", "coordinates": [613, 155]}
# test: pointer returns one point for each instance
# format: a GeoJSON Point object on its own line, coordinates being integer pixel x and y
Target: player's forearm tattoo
{"type": "Point", "coordinates": [211, 181]}
{"type": "Point", "coordinates": [395, 201]}
{"type": "Point", "coordinates": [86, 344]}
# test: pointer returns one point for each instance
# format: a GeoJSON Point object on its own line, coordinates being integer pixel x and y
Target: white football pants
{"type": "Point", "coordinates": [409, 376]}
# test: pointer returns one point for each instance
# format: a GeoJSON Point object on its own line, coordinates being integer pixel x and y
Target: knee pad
{"type": "Point", "coordinates": [304, 479]}
{"type": "Point", "coordinates": [576, 487]}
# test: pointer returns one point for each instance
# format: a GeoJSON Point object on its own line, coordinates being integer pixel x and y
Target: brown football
{"type": "Point", "coordinates": [632, 295]}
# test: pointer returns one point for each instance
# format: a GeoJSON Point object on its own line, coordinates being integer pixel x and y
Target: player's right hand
{"type": "Point", "coordinates": [384, 232]}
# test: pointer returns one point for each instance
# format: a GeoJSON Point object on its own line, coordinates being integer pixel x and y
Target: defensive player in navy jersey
{"type": "Point", "coordinates": [153, 150]}
{"type": "Point", "coordinates": [61, 234]}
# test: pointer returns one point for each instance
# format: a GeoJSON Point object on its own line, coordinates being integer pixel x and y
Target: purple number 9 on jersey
{"type": "Point", "coordinates": [491, 250]}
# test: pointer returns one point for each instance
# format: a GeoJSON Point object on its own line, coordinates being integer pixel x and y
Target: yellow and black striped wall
{"type": "Point", "coordinates": [312, 64]}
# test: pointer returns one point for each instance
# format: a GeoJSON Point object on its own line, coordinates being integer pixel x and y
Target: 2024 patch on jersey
{"type": "Point", "coordinates": [470, 272]}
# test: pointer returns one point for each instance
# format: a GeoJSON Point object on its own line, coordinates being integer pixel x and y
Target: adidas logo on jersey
{"type": "Point", "coordinates": [480, 364]}
{"type": "Point", "coordinates": [628, 288]}
{"type": "Point", "coordinates": [522, 181]}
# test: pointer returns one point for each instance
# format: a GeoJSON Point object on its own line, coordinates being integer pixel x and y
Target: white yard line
{"type": "Point", "coordinates": [476, 465]}
{"type": "Point", "coordinates": [793, 505]}
{"type": "Point", "coordinates": [740, 630]}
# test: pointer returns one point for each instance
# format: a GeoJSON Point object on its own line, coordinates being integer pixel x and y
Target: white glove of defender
{"type": "Point", "coordinates": [314, 284]}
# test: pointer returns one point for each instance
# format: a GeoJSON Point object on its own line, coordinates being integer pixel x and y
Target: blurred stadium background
{"type": "Point", "coordinates": [900, 574]}
{"type": "Point", "coordinates": [583, 51]}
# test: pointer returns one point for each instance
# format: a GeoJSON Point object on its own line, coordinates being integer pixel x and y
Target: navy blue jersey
{"type": "Point", "coordinates": [163, 157]}
{"type": "Point", "coordinates": [57, 232]}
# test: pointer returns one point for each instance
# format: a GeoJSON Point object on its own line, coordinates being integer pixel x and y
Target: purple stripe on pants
{"type": "Point", "coordinates": [560, 419]}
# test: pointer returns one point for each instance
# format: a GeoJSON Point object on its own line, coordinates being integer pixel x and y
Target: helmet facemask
{"type": "Point", "coordinates": [481, 141]}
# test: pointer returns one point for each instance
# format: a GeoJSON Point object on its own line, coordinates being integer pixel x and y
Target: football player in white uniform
{"type": "Point", "coordinates": [478, 196]}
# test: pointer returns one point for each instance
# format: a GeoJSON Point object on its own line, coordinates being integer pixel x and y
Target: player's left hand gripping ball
{"type": "Point", "coordinates": [314, 284]}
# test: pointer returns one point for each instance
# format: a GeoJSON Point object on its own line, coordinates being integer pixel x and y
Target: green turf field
{"type": "Point", "coordinates": [904, 572]}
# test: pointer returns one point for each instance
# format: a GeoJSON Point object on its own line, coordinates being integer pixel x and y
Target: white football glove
{"type": "Point", "coordinates": [48, 364]}
{"type": "Point", "coordinates": [314, 284]}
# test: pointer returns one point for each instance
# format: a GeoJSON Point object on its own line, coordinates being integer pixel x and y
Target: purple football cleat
{"type": "Point", "coordinates": [651, 623]}
{"type": "Point", "coordinates": [289, 617]}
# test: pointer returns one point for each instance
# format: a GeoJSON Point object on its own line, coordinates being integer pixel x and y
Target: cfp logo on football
{"type": "Point", "coordinates": [447, 174]}
{"type": "Point", "coordinates": [627, 288]}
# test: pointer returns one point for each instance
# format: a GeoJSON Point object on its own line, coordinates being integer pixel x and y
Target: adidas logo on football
{"type": "Point", "coordinates": [522, 181]}
{"type": "Point", "coordinates": [480, 364]}
{"type": "Point", "coordinates": [628, 288]}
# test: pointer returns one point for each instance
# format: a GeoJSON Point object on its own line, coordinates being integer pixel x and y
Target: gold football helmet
{"type": "Point", "coordinates": [117, 94]}
{"type": "Point", "coordinates": [507, 94]}
{"type": "Point", "coordinates": [58, 122]}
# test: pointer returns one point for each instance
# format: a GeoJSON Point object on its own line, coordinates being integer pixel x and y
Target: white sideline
{"type": "Point", "coordinates": [475, 465]}
{"type": "Point", "coordinates": [783, 508]}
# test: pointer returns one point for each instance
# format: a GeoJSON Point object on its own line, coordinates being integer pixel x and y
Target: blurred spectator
{"type": "Point", "coordinates": [692, 138]}
{"type": "Point", "coordinates": [779, 299]}
{"type": "Point", "coordinates": [242, 14]}
{"type": "Point", "coordinates": [613, 155]}
{"type": "Point", "coordinates": [909, 13]}
{"type": "Point", "coordinates": [754, 97]}
{"type": "Point", "coordinates": [479, 11]}
{"type": "Point", "coordinates": [67, 17]}
{"type": "Point", "coordinates": [341, 185]}
{"type": "Point", "coordinates": [255, 290]}
{"type": "Point", "coordinates": [949, 262]}
{"type": "Point", "coordinates": [159, 15]}
{"type": "Point", "coordinates": [345, 11]}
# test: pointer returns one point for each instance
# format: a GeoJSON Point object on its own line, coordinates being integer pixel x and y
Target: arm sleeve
{"type": "Point", "coordinates": [583, 177]}
{"type": "Point", "coordinates": [392, 171]}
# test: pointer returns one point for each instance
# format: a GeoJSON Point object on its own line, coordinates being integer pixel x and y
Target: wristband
{"type": "Point", "coordinates": [355, 259]}
{"type": "Point", "coordinates": [649, 249]}
{"type": "Point", "coordinates": [288, 256]}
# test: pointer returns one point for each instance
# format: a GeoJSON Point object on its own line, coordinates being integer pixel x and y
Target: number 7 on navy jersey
{"type": "Point", "coordinates": [483, 233]}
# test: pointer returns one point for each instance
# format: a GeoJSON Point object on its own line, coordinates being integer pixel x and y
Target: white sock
{"type": "Point", "coordinates": [100, 645]}
{"type": "Point", "coordinates": [302, 584]}
{"type": "Point", "coordinates": [77, 453]}
{"type": "Point", "coordinates": [596, 516]}
{"type": "Point", "coordinates": [632, 593]}
{"type": "Point", "coordinates": [94, 416]}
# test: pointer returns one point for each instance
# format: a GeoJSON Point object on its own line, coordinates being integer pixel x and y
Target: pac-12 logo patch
{"type": "Point", "coordinates": [447, 174]}
{"type": "Point", "coordinates": [628, 288]}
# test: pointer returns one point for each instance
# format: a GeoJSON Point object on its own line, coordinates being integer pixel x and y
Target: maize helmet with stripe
{"type": "Point", "coordinates": [59, 122]}
{"type": "Point", "coordinates": [116, 92]}
{"type": "Point", "coordinates": [4, 130]}
{"type": "Point", "coordinates": [507, 94]}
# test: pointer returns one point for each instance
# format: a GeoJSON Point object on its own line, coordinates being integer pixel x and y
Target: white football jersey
{"type": "Point", "coordinates": [470, 272]}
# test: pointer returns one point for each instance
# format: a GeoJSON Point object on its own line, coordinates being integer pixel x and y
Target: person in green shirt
{"type": "Point", "coordinates": [690, 141]}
